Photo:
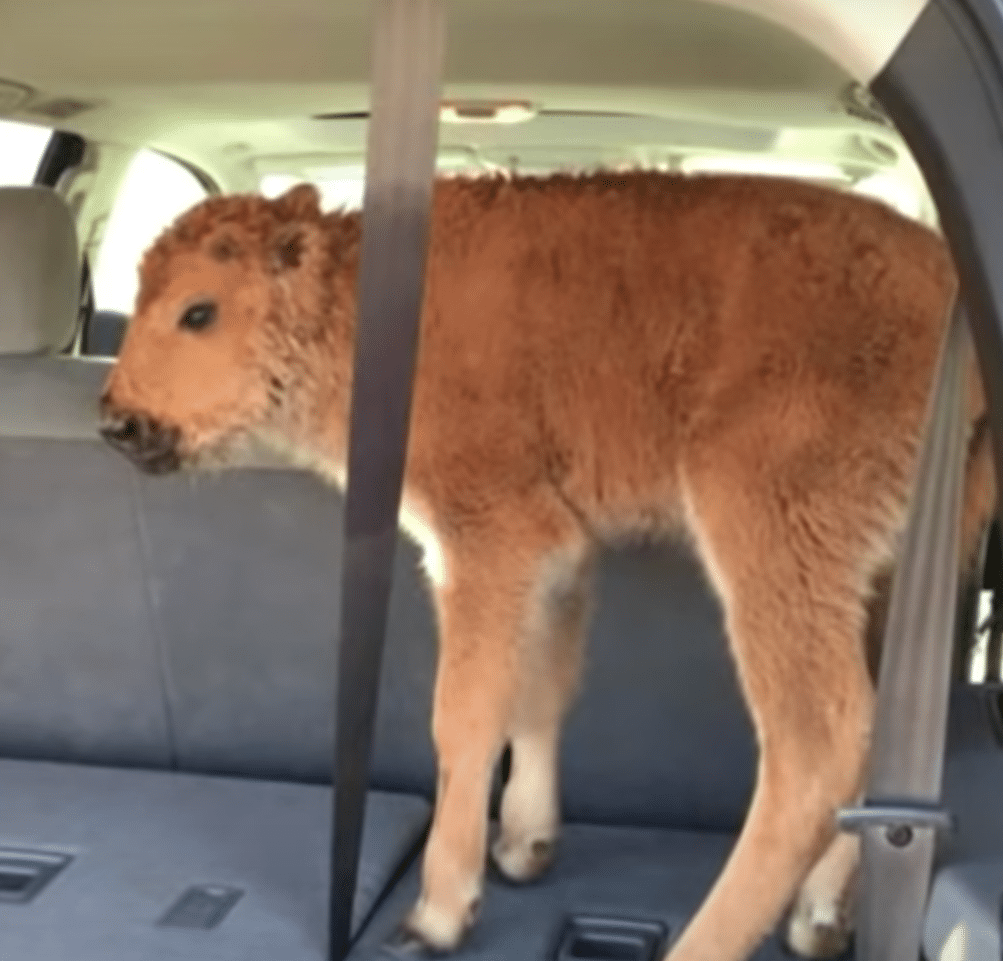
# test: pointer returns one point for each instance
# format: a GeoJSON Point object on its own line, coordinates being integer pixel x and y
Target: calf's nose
{"type": "Point", "coordinates": [122, 431]}
{"type": "Point", "coordinates": [150, 445]}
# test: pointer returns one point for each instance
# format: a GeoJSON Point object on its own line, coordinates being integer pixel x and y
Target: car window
{"type": "Point", "coordinates": [339, 187]}
{"type": "Point", "coordinates": [154, 191]}
{"type": "Point", "coordinates": [21, 149]}
{"type": "Point", "coordinates": [342, 185]}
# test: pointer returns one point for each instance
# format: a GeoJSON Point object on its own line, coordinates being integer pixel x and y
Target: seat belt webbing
{"type": "Point", "coordinates": [408, 47]}
{"type": "Point", "coordinates": [901, 813]}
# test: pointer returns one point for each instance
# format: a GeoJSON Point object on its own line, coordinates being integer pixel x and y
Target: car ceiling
{"type": "Point", "coordinates": [235, 86]}
{"type": "Point", "coordinates": [136, 69]}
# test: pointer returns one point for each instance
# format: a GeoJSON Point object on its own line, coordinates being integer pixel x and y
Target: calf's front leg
{"type": "Point", "coordinates": [482, 613]}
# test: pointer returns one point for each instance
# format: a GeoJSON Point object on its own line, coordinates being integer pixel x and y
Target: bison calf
{"type": "Point", "coordinates": [743, 362]}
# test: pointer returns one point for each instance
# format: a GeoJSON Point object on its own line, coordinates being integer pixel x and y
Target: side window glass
{"type": "Point", "coordinates": [155, 190]}
{"type": "Point", "coordinates": [339, 187]}
{"type": "Point", "coordinates": [21, 149]}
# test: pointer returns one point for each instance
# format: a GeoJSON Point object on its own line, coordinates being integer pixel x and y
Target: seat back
{"type": "Point", "coordinates": [189, 621]}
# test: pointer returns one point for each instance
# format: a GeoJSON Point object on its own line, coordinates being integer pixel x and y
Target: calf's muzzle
{"type": "Point", "coordinates": [149, 444]}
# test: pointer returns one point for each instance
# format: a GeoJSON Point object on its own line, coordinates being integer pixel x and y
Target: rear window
{"type": "Point", "coordinates": [21, 149]}
{"type": "Point", "coordinates": [339, 186]}
{"type": "Point", "coordinates": [342, 186]}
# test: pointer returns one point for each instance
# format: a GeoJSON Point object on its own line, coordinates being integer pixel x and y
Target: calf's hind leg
{"type": "Point", "coordinates": [551, 665]}
{"type": "Point", "coordinates": [787, 565]}
{"type": "Point", "coordinates": [822, 918]}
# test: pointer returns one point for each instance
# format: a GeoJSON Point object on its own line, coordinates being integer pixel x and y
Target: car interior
{"type": "Point", "coordinates": [168, 645]}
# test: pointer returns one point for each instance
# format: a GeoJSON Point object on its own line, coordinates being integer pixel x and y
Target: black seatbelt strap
{"type": "Point", "coordinates": [408, 47]}
{"type": "Point", "coordinates": [901, 813]}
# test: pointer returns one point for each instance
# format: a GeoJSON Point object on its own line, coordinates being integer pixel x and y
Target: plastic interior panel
{"type": "Point", "coordinates": [967, 890]}
{"type": "Point", "coordinates": [140, 840]}
{"type": "Point", "coordinates": [944, 90]}
{"type": "Point", "coordinates": [963, 916]}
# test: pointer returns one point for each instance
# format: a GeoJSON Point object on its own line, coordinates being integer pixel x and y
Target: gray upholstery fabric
{"type": "Point", "coordinates": [191, 620]}
{"type": "Point", "coordinates": [140, 839]}
{"type": "Point", "coordinates": [205, 608]}
{"type": "Point", "coordinates": [79, 664]}
{"type": "Point", "coordinates": [659, 735]}
{"type": "Point", "coordinates": [52, 398]}
{"type": "Point", "coordinates": [247, 567]}
{"type": "Point", "coordinates": [613, 873]}
{"type": "Point", "coordinates": [247, 572]}
{"type": "Point", "coordinates": [39, 271]}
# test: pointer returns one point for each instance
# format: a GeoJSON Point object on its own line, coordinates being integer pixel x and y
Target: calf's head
{"type": "Point", "coordinates": [242, 330]}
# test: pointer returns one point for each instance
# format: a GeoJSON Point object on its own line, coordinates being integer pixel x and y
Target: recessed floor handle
{"type": "Point", "coordinates": [589, 938]}
{"type": "Point", "coordinates": [202, 906]}
{"type": "Point", "coordinates": [24, 873]}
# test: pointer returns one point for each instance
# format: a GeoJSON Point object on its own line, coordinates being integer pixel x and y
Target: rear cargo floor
{"type": "Point", "coordinates": [140, 840]}
{"type": "Point", "coordinates": [602, 874]}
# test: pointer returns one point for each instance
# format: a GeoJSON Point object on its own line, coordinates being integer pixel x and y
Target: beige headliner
{"type": "Point", "coordinates": [860, 35]}
{"type": "Point", "coordinates": [144, 68]}
{"type": "Point", "coordinates": [231, 84]}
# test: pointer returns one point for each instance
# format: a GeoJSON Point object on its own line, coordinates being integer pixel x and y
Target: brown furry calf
{"type": "Point", "coordinates": [744, 362]}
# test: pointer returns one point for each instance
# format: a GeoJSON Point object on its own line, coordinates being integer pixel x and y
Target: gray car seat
{"type": "Point", "coordinates": [93, 857]}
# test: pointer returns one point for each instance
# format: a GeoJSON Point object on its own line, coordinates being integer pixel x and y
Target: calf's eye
{"type": "Point", "coordinates": [198, 316]}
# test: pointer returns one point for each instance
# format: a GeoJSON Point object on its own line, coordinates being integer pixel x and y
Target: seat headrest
{"type": "Point", "coordinates": [39, 271]}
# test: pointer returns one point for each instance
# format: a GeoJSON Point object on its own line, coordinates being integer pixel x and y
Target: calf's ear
{"type": "Point", "coordinates": [287, 247]}
{"type": "Point", "coordinates": [301, 202]}
{"type": "Point", "coordinates": [292, 245]}
{"type": "Point", "coordinates": [297, 212]}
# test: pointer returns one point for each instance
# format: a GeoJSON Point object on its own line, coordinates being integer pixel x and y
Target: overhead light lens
{"type": "Point", "coordinates": [486, 111]}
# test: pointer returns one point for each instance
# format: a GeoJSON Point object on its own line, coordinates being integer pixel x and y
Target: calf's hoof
{"type": "Point", "coordinates": [818, 931]}
{"type": "Point", "coordinates": [523, 860]}
{"type": "Point", "coordinates": [430, 932]}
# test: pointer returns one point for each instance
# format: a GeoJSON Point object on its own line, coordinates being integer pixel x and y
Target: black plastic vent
{"type": "Point", "coordinates": [611, 939]}
{"type": "Point", "coordinates": [23, 874]}
{"type": "Point", "coordinates": [202, 906]}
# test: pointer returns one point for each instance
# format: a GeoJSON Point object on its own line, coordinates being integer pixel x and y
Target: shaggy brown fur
{"type": "Point", "coordinates": [743, 361]}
